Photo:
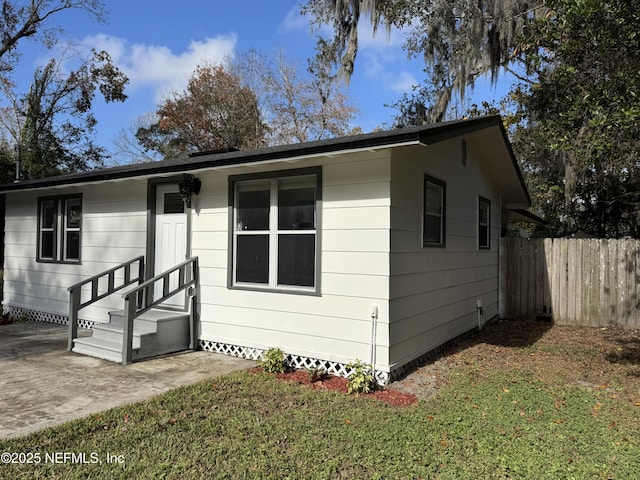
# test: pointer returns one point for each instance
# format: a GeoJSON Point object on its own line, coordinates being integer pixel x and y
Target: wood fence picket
{"type": "Point", "coordinates": [590, 282]}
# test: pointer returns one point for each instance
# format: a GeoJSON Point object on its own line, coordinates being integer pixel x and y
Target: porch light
{"type": "Point", "coordinates": [188, 187]}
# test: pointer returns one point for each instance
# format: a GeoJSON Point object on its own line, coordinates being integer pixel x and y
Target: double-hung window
{"type": "Point", "coordinates": [275, 223]}
{"type": "Point", "coordinates": [434, 223]}
{"type": "Point", "coordinates": [59, 229]}
{"type": "Point", "coordinates": [484, 223]}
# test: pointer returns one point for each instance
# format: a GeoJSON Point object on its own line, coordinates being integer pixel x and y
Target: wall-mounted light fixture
{"type": "Point", "coordinates": [188, 187]}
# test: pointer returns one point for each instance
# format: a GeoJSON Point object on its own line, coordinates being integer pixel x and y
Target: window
{"type": "Point", "coordinates": [433, 233]}
{"type": "Point", "coordinates": [484, 223]}
{"type": "Point", "coordinates": [59, 229]}
{"type": "Point", "coordinates": [274, 231]}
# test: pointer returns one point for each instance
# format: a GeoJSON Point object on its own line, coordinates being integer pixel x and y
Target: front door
{"type": "Point", "coordinates": [171, 234]}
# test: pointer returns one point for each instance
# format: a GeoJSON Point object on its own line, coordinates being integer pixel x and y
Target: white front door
{"type": "Point", "coordinates": [171, 234]}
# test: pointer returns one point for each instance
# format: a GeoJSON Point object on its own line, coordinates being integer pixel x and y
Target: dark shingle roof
{"type": "Point", "coordinates": [427, 134]}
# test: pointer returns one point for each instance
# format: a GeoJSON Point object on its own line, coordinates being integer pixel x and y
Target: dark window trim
{"type": "Point", "coordinates": [59, 229]}
{"type": "Point", "coordinates": [152, 185]}
{"type": "Point", "coordinates": [442, 184]}
{"type": "Point", "coordinates": [298, 172]}
{"type": "Point", "coordinates": [487, 202]}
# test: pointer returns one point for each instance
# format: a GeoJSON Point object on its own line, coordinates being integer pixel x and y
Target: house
{"type": "Point", "coordinates": [378, 247]}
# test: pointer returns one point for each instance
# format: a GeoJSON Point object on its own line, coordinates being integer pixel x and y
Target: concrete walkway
{"type": "Point", "coordinates": [41, 384]}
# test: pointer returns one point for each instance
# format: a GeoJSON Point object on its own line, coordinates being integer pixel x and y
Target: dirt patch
{"type": "Point", "coordinates": [586, 357]}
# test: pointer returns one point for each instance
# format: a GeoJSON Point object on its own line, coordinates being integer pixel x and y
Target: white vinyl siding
{"type": "Point", "coordinates": [433, 292]}
{"type": "Point", "coordinates": [114, 222]}
{"type": "Point", "coordinates": [353, 235]}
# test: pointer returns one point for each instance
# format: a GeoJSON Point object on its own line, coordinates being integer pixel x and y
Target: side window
{"type": "Point", "coordinates": [47, 222]}
{"type": "Point", "coordinates": [484, 223]}
{"type": "Point", "coordinates": [59, 229]}
{"type": "Point", "coordinates": [274, 232]}
{"type": "Point", "coordinates": [434, 224]}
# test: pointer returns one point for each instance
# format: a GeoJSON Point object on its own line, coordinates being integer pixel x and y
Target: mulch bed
{"type": "Point", "coordinates": [338, 384]}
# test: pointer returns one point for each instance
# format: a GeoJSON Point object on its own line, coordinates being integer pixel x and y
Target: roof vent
{"type": "Point", "coordinates": [464, 152]}
{"type": "Point", "coordinates": [214, 152]}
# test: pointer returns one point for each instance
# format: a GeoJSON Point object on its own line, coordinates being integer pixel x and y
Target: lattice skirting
{"type": "Point", "coordinates": [295, 361]}
{"type": "Point", "coordinates": [38, 316]}
{"type": "Point", "coordinates": [337, 368]}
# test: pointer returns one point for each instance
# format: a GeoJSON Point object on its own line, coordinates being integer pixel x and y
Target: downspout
{"type": "Point", "coordinates": [480, 313]}
{"type": "Point", "coordinates": [18, 163]}
{"type": "Point", "coordinates": [374, 327]}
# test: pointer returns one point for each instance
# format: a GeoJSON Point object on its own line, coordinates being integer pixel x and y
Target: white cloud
{"type": "Point", "coordinates": [381, 40]}
{"type": "Point", "coordinates": [294, 21]}
{"type": "Point", "coordinates": [380, 55]}
{"type": "Point", "coordinates": [402, 82]}
{"type": "Point", "coordinates": [156, 66]}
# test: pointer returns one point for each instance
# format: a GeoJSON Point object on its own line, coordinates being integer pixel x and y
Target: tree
{"type": "Point", "coordinates": [214, 112]}
{"type": "Point", "coordinates": [248, 102]}
{"type": "Point", "coordinates": [298, 105]}
{"type": "Point", "coordinates": [459, 40]}
{"type": "Point", "coordinates": [7, 162]}
{"type": "Point", "coordinates": [582, 117]}
{"type": "Point", "coordinates": [573, 119]}
{"type": "Point", "coordinates": [32, 19]}
{"type": "Point", "coordinates": [52, 124]}
{"type": "Point", "coordinates": [304, 108]}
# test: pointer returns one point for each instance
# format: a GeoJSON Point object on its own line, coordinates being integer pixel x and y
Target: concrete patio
{"type": "Point", "coordinates": [41, 384]}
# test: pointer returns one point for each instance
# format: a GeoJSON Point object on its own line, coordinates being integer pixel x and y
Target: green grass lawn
{"type": "Point", "coordinates": [494, 425]}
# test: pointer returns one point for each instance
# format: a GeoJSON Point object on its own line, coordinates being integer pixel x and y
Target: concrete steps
{"type": "Point", "coordinates": [155, 332]}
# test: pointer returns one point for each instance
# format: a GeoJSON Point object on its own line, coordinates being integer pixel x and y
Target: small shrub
{"type": "Point", "coordinates": [315, 374]}
{"type": "Point", "coordinates": [273, 361]}
{"type": "Point", "coordinates": [361, 377]}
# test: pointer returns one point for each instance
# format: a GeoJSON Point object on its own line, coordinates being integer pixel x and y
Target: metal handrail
{"type": "Point", "coordinates": [188, 276]}
{"type": "Point", "coordinates": [75, 291]}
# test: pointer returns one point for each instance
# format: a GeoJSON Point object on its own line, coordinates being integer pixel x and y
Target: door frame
{"type": "Point", "coordinates": [152, 184]}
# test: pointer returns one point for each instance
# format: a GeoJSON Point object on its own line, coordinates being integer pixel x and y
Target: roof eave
{"type": "Point", "coordinates": [408, 136]}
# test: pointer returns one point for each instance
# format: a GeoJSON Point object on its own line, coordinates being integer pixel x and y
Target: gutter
{"type": "Point", "coordinates": [425, 135]}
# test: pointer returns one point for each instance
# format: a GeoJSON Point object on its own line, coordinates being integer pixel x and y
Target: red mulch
{"type": "Point", "coordinates": [339, 384]}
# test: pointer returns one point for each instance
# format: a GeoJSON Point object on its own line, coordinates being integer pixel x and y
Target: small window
{"type": "Point", "coordinates": [484, 223]}
{"type": "Point", "coordinates": [274, 235]}
{"type": "Point", "coordinates": [433, 232]}
{"type": "Point", "coordinates": [173, 203]}
{"type": "Point", "coordinates": [59, 229]}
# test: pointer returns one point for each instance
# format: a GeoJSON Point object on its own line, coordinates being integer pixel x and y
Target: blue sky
{"type": "Point", "coordinates": [158, 43]}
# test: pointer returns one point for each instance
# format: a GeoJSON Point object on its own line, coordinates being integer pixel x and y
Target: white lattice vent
{"type": "Point", "coordinates": [295, 361]}
{"type": "Point", "coordinates": [47, 317]}
{"type": "Point", "coordinates": [233, 350]}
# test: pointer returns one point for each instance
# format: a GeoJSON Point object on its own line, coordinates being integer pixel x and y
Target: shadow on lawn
{"type": "Point", "coordinates": [626, 349]}
{"type": "Point", "coordinates": [502, 333]}
{"type": "Point", "coordinates": [512, 333]}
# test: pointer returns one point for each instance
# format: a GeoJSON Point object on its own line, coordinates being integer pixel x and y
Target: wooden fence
{"type": "Point", "coordinates": [590, 282]}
